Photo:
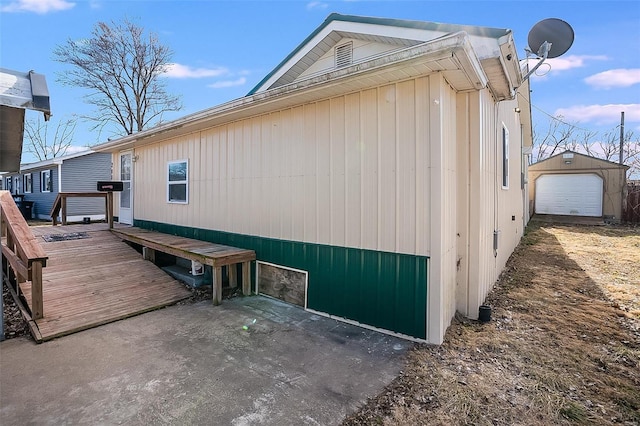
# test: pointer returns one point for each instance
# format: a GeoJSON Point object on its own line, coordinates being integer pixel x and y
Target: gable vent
{"type": "Point", "coordinates": [344, 55]}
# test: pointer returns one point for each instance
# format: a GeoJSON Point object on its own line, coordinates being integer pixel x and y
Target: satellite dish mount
{"type": "Point", "coordinates": [549, 38]}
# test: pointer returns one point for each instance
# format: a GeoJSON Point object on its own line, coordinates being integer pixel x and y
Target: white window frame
{"type": "Point", "coordinates": [28, 189]}
{"type": "Point", "coordinates": [43, 187]}
{"type": "Point", "coordinates": [178, 182]}
{"type": "Point", "coordinates": [505, 157]}
{"type": "Point", "coordinates": [16, 184]}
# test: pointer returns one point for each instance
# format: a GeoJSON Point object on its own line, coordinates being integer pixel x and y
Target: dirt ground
{"type": "Point", "coordinates": [563, 345]}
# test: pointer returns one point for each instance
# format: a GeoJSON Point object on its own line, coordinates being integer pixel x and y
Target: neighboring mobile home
{"type": "Point", "coordinates": [574, 184]}
{"type": "Point", "coordinates": [41, 182]}
{"type": "Point", "coordinates": [377, 172]}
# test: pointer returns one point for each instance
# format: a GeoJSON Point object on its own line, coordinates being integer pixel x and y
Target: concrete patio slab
{"type": "Point", "coordinates": [250, 361]}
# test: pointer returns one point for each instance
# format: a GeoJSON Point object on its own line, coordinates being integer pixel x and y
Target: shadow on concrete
{"type": "Point", "coordinates": [252, 360]}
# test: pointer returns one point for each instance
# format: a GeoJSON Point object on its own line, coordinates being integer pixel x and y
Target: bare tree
{"type": "Point", "coordinates": [562, 136]}
{"type": "Point", "coordinates": [121, 67]}
{"type": "Point", "coordinates": [585, 143]}
{"type": "Point", "coordinates": [556, 137]}
{"type": "Point", "coordinates": [609, 146]}
{"type": "Point", "coordinates": [44, 146]}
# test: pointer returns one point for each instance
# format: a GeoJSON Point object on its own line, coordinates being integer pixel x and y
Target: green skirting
{"type": "Point", "coordinates": [379, 289]}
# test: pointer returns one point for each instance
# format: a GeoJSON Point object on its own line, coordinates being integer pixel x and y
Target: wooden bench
{"type": "Point", "coordinates": [214, 255]}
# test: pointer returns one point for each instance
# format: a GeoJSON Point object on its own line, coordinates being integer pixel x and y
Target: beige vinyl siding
{"type": "Point", "coordinates": [490, 207]}
{"type": "Point", "coordinates": [442, 263]}
{"type": "Point", "coordinates": [347, 171]}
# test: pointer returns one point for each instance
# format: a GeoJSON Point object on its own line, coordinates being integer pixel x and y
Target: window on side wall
{"type": "Point", "coordinates": [27, 184]}
{"type": "Point", "coordinates": [45, 181]}
{"type": "Point", "coordinates": [16, 184]}
{"type": "Point", "coordinates": [505, 157]}
{"type": "Point", "coordinates": [178, 182]}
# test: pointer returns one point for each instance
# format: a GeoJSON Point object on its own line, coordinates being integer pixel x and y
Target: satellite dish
{"type": "Point", "coordinates": [549, 38]}
{"type": "Point", "coordinates": [554, 31]}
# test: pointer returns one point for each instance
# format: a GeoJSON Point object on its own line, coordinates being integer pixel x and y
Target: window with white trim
{"type": "Point", "coordinates": [45, 181]}
{"type": "Point", "coordinates": [505, 157]}
{"type": "Point", "coordinates": [9, 184]}
{"type": "Point", "coordinates": [27, 183]}
{"type": "Point", "coordinates": [178, 182]}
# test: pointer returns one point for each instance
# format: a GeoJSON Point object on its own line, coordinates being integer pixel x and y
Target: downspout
{"type": "Point", "coordinates": [59, 164]}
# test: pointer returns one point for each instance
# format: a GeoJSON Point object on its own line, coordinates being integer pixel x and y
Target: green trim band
{"type": "Point", "coordinates": [379, 289]}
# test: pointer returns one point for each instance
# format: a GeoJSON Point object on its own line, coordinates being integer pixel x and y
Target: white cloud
{"type": "Point", "coordinates": [563, 63]}
{"type": "Point", "coordinates": [228, 83]}
{"type": "Point", "coordinates": [185, 71]}
{"type": "Point", "coordinates": [614, 78]}
{"type": "Point", "coordinates": [316, 5]}
{"type": "Point", "coordinates": [37, 6]}
{"type": "Point", "coordinates": [572, 61]}
{"type": "Point", "coordinates": [600, 114]}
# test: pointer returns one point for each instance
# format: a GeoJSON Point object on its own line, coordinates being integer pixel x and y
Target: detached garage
{"type": "Point", "coordinates": [574, 184]}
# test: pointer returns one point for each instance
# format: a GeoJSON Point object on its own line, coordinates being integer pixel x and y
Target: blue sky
{"type": "Point", "coordinates": [224, 48]}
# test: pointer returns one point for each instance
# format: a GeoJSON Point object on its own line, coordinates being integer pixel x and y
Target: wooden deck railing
{"type": "Point", "coordinates": [22, 251]}
{"type": "Point", "coordinates": [60, 205]}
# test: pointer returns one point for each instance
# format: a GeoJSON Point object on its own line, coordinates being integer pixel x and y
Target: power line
{"type": "Point", "coordinates": [553, 117]}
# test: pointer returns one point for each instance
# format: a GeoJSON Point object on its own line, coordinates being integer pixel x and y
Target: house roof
{"type": "Point", "coordinates": [455, 54]}
{"type": "Point", "coordinates": [52, 161]}
{"type": "Point", "coordinates": [609, 164]}
{"type": "Point", "coordinates": [397, 33]}
{"type": "Point", "coordinates": [18, 91]}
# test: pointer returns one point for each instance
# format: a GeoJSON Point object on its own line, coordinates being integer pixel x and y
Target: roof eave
{"type": "Point", "coordinates": [335, 18]}
{"type": "Point", "coordinates": [455, 47]}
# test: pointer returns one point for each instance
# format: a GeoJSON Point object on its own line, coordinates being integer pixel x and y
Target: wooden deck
{"type": "Point", "coordinates": [95, 280]}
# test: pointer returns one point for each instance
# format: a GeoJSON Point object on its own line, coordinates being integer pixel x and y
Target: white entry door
{"type": "Point", "coordinates": [125, 214]}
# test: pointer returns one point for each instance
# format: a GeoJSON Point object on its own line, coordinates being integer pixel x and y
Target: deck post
{"type": "Point", "coordinates": [36, 290]}
{"type": "Point", "coordinates": [246, 278]}
{"type": "Point", "coordinates": [149, 254]}
{"type": "Point", "coordinates": [109, 201]}
{"type": "Point", "coordinates": [217, 285]}
{"type": "Point", "coordinates": [233, 275]}
{"type": "Point", "coordinates": [63, 201]}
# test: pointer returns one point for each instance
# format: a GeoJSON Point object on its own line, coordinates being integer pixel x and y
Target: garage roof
{"type": "Point", "coordinates": [18, 91]}
{"type": "Point", "coordinates": [569, 158]}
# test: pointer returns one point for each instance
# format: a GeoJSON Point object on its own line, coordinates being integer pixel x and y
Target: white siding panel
{"type": "Point", "coordinates": [323, 152]}
{"type": "Point", "coordinates": [387, 168]}
{"type": "Point", "coordinates": [406, 168]}
{"type": "Point", "coordinates": [337, 171]}
{"type": "Point", "coordinates": [423, 161]}
{"type": "Point", "coordinates": [369, 152]}
{"type": "Point", "coordinates": [350, 170]}
{"type": "Point", "coordinates": [353, 175]}
{"type": "Point", "coordinates": [297, 174]}
{"type": "Point", "coordinates": [311, 174]}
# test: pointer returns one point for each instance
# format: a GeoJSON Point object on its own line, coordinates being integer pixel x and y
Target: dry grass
{"type": "Point", "coordinates": [559, 349]}
{"type": "Point", "coordinates": [611, 257]}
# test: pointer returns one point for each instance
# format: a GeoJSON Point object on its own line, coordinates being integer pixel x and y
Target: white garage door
{"type": "Point", "coordinates": [575, 195]}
